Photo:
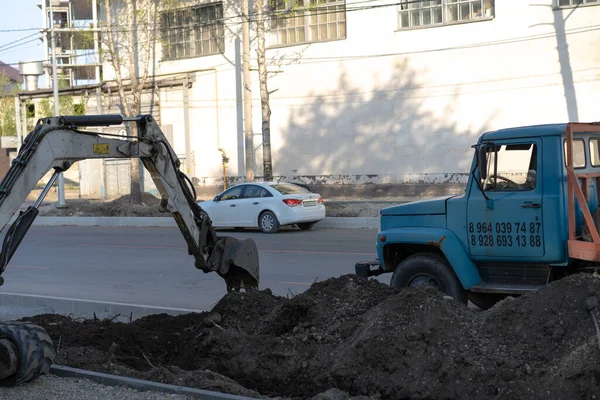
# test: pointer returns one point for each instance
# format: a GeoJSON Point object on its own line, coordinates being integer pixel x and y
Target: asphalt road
{"type": "Point", "coordinates": [150, 266]}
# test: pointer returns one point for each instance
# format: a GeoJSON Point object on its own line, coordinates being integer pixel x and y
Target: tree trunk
{"type": "Point", "coordinates": [264, 91]}
{"type": "Point", "coordinates": [134, 109]}
{"type": "Point", "coordinates": [135, 196]}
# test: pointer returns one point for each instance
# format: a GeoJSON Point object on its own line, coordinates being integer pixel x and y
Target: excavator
{"type": "Point", "coordinates": [56, 143]}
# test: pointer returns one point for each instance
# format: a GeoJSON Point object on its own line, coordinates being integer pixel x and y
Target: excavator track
{"type": "Point", "coordinates": [27, 351]}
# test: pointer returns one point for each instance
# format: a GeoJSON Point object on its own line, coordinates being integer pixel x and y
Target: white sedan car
{"type": "Point", "coordinates": [266, 205]}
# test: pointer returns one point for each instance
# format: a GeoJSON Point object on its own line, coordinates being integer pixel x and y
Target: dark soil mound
{"type": "Point", "coordinates": [361, 338]}
{"type": "Point", "coordinates": [120, 207]}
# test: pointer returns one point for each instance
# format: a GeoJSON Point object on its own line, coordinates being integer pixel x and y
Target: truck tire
{"type": "Point", "coordinates": [35, 349]}
{"type": "Point", "coordinates": [431, 270]}
{"type": "Point", "coordinates": [485, 301]}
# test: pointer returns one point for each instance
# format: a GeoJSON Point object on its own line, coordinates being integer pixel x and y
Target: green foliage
{"type": "Point", "coordinates": [298, 5]}
{"type": "Point", "coordinates": [30, 110]}
{"type": "Point", "coordinates": [79, 109]}
{"type": "Point", "coordinates": [8, 124]}
{"type": "Point", "coordinates": [45, 108]}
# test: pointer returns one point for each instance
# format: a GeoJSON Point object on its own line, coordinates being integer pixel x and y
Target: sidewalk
{"type": "Point", "coordinates": [343, 213]}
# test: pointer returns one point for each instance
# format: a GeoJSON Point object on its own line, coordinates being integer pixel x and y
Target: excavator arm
{"type": "Point", "coordinates": [56, 143]}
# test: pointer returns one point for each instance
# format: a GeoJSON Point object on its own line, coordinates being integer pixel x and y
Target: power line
{"type": "Point", "coordinates": [312, 60]}
{"type": "Point", "coordinates": [317, 60]}
{"type": "Point", "coordinates": [280, 14]}
{"type": "Point", "coordinates": [18, 30]}
{"type": "Point", "coordinates": [26, 47]}
{"type": "Point", "coordinates": [18, 45]}
{"type": "Point", "coordinates": [17, 41]}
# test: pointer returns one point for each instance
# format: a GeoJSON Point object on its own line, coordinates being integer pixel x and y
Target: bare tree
{"type": "Point", "coordinates": [127, 38]}
{"type": "Point", "coordinates": [264, 91]}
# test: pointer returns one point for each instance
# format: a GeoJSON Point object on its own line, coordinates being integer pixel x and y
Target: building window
{"type": "Point", "coordinates": [308, 21]}
{"type": "Point", "coordinates": [192, 32]}
{"type": "Point", "coordinates": [575, 3]}
{"type": "Point", "coordinates": [439, 12]}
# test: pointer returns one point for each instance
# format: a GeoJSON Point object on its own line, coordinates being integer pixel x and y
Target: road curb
{"type": "Point", "coordinates": [139, 384]}
{"type": "Point", "coordinates": [168, 222]}
{"type": "Point", "coordinates": [12, 303]}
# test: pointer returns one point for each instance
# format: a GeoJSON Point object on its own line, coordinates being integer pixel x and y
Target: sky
{"type": "Point", "coordinates": [20, 14]}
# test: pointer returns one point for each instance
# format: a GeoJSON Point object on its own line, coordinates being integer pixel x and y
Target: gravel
{"type": "Point", "coordinates": [51, 387]}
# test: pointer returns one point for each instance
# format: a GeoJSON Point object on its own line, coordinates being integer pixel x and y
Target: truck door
{"type": "Point", "coordinates": [508, 223]}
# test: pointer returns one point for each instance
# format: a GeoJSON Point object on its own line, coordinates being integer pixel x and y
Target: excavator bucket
{"type": "Point", "coordinates": [242, 256]}
{"type": "Point", "coordinates": [236, 261]}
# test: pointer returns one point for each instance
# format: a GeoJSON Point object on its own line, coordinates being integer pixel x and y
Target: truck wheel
{"type": "Point", "coordinates": [428, 269]}
{"type": "Point", "coordinates": [485, 301]}
{"type": "Point", "coordinates": [34, 348]}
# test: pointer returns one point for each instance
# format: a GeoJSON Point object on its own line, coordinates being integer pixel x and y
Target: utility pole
{"type": "Point", "coordinates": [61, 181]}
{"type": "Point", "coordinates": [248, 133]}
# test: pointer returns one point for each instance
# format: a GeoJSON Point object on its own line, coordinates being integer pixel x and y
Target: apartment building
{"type": "Point", "coordinates": [371, 90]}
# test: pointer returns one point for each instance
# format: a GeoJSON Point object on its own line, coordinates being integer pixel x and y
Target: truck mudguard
{"type": "Point", "coordinates": [443, 239]}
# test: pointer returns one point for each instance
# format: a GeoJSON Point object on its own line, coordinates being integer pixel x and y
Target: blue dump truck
{"type": "Point", "coordinates": [528, 216]}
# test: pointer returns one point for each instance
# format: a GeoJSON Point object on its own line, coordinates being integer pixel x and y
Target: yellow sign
{"type": "Point", "coordinates": [101, 148]}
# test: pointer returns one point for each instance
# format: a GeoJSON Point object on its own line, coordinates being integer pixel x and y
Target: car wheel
{"type": "Point", "coordinates": [306, 226]}
{"type": "Point", "coordinates": [267, 221]}
{"type": "Point", "coordinates": [428, 269]}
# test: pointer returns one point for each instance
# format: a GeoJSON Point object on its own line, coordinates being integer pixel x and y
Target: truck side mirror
{"type": "Point", "coordinates": [482, 161]}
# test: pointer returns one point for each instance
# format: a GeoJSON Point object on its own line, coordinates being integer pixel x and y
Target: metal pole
{"type": "Point", "coordinates": [248, 133]}
{"type": "Point", "coordinates": [45, 26]}
{"type": "Point", "coordinates": [61, 182]}
{"type": "Point", "coordinates": [99, 106]}
{"type": "Point", "coordinates": [186, 125]}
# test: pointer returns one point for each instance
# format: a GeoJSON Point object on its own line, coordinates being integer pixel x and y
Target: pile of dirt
{"type": "Point", "coordinates": [350, 337]}
{"type": "Point", "coordinates": [120, 207]}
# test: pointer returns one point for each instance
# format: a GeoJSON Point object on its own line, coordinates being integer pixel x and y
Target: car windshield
{"type": "Point", "coordinates": [289, 188]}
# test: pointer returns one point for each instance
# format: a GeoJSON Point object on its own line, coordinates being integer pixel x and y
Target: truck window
{"type": "Point", "coordinates": [595, 152]}
{"type": "Point", "coordinates": [578, 153]}
{"type": "Point", "coordinates": [512, 167]}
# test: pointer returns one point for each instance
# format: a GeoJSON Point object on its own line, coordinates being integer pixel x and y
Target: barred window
{"type": "Point", "coordinates": [192, 32]}
{"type": "Point", "coordinates": [415, 13]}
{"type": "Point", "coordinates": [308, 21]}
{"type": "Point", "coordinates": [574, 3]}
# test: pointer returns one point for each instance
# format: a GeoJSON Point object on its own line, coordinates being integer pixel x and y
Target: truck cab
{"type": "Point", "coordinates": [523, 220]}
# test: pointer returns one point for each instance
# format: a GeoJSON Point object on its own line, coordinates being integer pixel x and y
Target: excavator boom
{"type": "Point", "coordinates": [56, 143]}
